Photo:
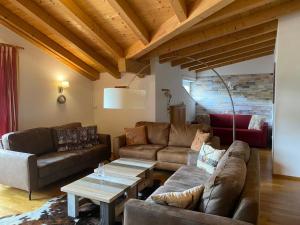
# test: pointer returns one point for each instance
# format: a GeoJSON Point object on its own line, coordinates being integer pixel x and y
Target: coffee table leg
{"type": "Point", "coordinates": [107, 213]}
{"type": "Point", "coordinates": [72, 205]}
{"type": "Point", "coordinates": [133, 192]}
{"type": "Point", "coordinates": [151, 178]}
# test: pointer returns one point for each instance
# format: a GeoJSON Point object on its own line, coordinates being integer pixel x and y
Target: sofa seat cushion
{"type": "Point", "coordinates": [56, 162]}
{"type": "Point", "coordinates": [187, 177]}
{"type": "Point", "coordinates": [140, 151]}
{"type": "Point", "coordinates": [173, 154]}
{"type": "Point", "coordinates": [95, 153]}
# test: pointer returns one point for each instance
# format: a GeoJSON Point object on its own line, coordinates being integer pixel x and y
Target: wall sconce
{"type": "Point", "coordinates": [61, 99]}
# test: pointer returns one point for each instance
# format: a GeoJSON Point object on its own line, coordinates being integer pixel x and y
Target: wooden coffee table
{"type": "Point", "coordinates": [104, 190]}
{"type": "Point", "coordinates": [122, 177]}
{"type": "Point", "coordinates": [132, 168]}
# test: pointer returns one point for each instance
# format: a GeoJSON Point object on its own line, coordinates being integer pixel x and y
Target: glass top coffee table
{"type": "Point", "coordinates": [122, 178]}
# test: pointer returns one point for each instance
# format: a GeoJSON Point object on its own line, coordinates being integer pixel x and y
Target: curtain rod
{"type": "Point", "coordinates": [3, 44]}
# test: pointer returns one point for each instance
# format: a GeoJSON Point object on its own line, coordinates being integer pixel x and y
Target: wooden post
{"type": "Point", "coordinates": [107, 213]}
{"type": "Point", "coordinates": [72, 205]}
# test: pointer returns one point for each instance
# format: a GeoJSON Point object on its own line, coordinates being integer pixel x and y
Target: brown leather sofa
{"type": "Point", "coordinates": [169, 145]}
{"type": "Point", "coordinates": [30, 159]}
{"type": "Point", "coordinates": [231, 194]}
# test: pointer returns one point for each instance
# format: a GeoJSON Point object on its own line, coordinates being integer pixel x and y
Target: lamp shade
{"type": "Point", "coordinates": [65, 84]}
{"type": "Point", "coordinates": [124, 98]}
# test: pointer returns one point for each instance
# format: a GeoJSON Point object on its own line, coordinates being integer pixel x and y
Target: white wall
{"type": "Point", "coordinates": [113, 121]}
{"type": "Point", "coordinates": [169, 77]}
{"type": "Point", "coordinates": [261, 65]}
{"type": "Point", "coordinates": [39, 74]}
{"type": "Point", "coordinates": [286, 154]}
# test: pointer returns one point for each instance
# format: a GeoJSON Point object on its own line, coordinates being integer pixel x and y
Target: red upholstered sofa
{"type": "Point", "coordinates": [222, 127]}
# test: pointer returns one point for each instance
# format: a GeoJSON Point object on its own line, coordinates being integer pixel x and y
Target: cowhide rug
{"type": "Point", "coordinates": [54, 212]}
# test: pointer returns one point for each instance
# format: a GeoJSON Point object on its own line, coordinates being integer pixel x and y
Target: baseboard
{"type": "Point", "coordinates": [286, 177]}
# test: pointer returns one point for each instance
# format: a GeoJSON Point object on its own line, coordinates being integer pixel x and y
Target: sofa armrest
{"type": "Point", "coordinates": [18, 170]}
{"type": "Point", "coordinates": [105, 139]}
{"type": "Point", "coordinates": [119, 142]}
{"type": "Point", "coordinates": [265, 130]}
{"type": "Point", "coordinates": [139, 212]}
{"type": "Point", "coordinates": [192, 158]}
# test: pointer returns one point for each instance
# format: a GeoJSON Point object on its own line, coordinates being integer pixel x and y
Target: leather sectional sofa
{"type": "Point", "coordinates": [169, 145]}
{"type": "Point", "coordinates": [231, 194]}
{"type": "Point", "coordinates": [30, 159]}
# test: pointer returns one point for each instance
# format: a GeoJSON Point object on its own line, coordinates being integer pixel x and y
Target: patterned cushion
{"type": "Point", "coordinates": [199, 140]}
{"type": "Point", "coordinates": [136, 136]}
{"type": "Point", "coordinates": [84, 137]}
{"type": "Point", "coordinates": [67, 139]}
{"type": "Point", "coordinates": [187, 199]}
{"type": "Point", "coordinates": [209, 157]}
{"type": "Point", "coordinates": [93, 137]}
{"type": "Point", "coordinates": [77, 138]}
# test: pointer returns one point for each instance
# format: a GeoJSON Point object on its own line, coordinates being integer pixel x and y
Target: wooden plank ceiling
{"type": "Point", "coordinates": [122, 35]}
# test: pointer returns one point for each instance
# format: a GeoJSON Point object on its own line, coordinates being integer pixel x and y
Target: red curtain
{"type": "Point", "coordinates": [8, 89]}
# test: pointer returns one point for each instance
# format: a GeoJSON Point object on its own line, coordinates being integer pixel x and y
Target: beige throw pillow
{"type": "Point", "coordinates": [186, 200]}
{"type": "Point", "coordinates": [208, 158]}
{"type": "Point", "coordinates": [199, 140]}
{"type": "Point", "coordinates": [136, 136]}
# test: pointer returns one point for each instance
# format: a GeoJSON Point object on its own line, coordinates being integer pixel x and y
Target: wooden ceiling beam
{"type": "Point", "coordinates": [30, 33]}
{"type": "Point", "coordinates": [224, 40]}
{"type": "Point", "coordinates": [223, 49]}
{"type": "Point", "coordinates": [84, 20]}
{"type": "Point", "coordinates": [202, 35]}
{"type": "Point", "coordinates": [133, 66]}
{"type": "Point", "coordinates": [31, 8]}
{"type": "Point", "coordinates": [238, 60]}
{"type": "Point", "coordinates": [229, 52]}
{"type": "Point", "coordinates": [235, 8]}
{"type": "Point", "coordinates": [131, 19]}
{"type": "Point", "coordinates": [232, 57]}
{"type": "Point", "coordinates": [179, 7]}
{"type": "Point", "coordinates": [171, 28]}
